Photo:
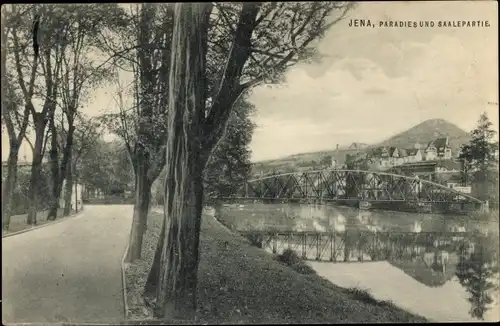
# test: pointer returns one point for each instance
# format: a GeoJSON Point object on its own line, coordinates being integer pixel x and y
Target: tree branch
{"type": "Point", "coordinates": [229, 89]}
{"type": "Point", "coordinates": [29, 143]}
{"type": "Point", "coordinates": [28, 93]}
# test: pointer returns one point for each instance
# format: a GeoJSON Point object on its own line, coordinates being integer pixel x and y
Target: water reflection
{"type": "Point", "coordinates": [414, 243]}
{"type": "Point", "coordinates": [311, 217]}
{"type": "Point", "coordinates": [477, 272]}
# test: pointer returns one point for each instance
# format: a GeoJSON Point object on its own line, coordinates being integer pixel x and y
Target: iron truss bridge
{"type": "Point", "coordinates": [361, 246]}
{"type": "Point", "coordinates": [364, 188]}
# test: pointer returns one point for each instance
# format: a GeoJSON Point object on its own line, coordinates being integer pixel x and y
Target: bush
{"type": "Point", "coordinates": [255, 238]}
{"type": "Point", "coordinates": [366, 297]}
{"type": "Point", "coordinates": [291, 259]}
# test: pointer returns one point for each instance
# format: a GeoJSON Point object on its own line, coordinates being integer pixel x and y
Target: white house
{"type": "Point", "coordinates": [76, 196]}
{"type": "Point", "coordinates": [413, 155]}
{"type": "Point", "coordinates": [393, 155]}
{"type": "Point", "coordinates": [431, 152]}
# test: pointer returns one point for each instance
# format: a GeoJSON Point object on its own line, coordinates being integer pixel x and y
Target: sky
{"type": "Point", "coordinates": [374, 82]}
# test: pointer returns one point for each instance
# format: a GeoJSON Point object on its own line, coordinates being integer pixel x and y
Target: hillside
{"type": "Point", "coordinates": [427, 131]}
{"type": "Point", "coordinates": [422, 133]}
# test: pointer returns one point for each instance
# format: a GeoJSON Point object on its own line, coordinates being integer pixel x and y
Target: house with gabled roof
{"type": "Point", "coordinates": [393, 156]}
{"type": "Point", "coordinates": [402, 157]}
{"type": "Point", "coordinates": [438, 149]}
{"type": "Point", "coordinates": [413, 155]}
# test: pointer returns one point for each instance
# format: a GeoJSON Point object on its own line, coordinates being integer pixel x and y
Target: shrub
{"type": "Point", "coordinates": [255, 238]}
{"type": "Point", "coordinates": [291, 259]}
{"type": "Point", "coordinates": [366, 297]}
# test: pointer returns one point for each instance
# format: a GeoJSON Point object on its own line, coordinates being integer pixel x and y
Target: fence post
{"type": "Point", "coordinates": [318, 240]}
{"type": "Point", "coordinates": [304, 246]}
{"type": "Point", "coordinates": [332, 247]}
{"type": "Point", "coordinates": [346, 249]}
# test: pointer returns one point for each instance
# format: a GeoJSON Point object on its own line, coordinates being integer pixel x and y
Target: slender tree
{"type": "Point", "coordinates": [142, 125]}
{"type": "Point", "coordinates": [48, 53]}
{"type": "Point", "coordinates": [15, 120]}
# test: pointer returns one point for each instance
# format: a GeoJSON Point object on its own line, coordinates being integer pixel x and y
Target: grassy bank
{"type": "Point", "coordinates": [239, 283]}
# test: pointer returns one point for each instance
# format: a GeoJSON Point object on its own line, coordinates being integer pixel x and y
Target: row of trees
{"type": "Point", "coordinates": [50, 65]}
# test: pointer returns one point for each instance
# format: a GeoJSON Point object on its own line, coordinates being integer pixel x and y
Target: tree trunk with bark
{"type": "Point", "coordinates": [36, 169]}
{"type": "Point", "coordinates": [141, 208]}
{"type": "Point", "coordinates": [62, 170]}
{"type": "Point", "coordinates": [9, 185]}
{"type": "Point", "coordinates": [185, 162]}
{"type": "Point", "coordinates": [55, 171]}
{"type": "Point", "coordinates": [154, 272]}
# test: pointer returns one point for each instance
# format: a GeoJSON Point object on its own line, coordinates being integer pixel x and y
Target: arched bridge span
{"type": "Point", "coordinates": [357, 187]}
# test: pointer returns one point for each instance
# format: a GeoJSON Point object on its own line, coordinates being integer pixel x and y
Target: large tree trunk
{"type": "Point", "coordinates": [36, 170]}
{"type": "Point", "coordinates": [140, 218]}
{"type": "Point", "coordinates": [9, 185]}
{"type": "Point", "coordinates": [177, 283]}
{"type": "Point", "coordinates": [185, 162]}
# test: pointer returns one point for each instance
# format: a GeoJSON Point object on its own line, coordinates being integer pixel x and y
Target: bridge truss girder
{"type": "Point", "coordinates": [342, 185]}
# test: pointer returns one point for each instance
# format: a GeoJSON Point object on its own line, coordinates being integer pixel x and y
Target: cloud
{"type": "Point", "coordinates": [372, 83]}
{"type": "Point", "coordinates": [375, 91]}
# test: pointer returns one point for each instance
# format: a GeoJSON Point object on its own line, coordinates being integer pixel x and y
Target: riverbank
{"type": "Point", "coordinates": [239, 283]}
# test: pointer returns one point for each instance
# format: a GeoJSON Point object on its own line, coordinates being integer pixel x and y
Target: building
{"type": "Point", "coordinates": [401, 158]}
{"type": "Point", "coordinates": [381, 156]}
{"type": "Point", "coordinates": [357, 146]}
{"type": "Point", "coordinates": [413, 155]}
{"type": "Point", "coordinates": [448, 166]}
{"type": "Point", "coordinates": [76, 196]}
{"type": "Point", "coordinates": [424, 170]}
{"type": "Point", "coordinates": [334, 164]}
{"type": "Point", "coordinates": [431, 152]}
{"type": "Point", "coordinates": [450, 180]}
{"type": "Point", "coordinates": [438, 149]}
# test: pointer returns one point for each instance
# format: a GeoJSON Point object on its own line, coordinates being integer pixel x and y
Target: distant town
{"type": "Point", "coordinates": [436, 161]}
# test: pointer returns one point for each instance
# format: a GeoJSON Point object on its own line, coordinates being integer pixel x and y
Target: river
{"type": "Point", "coordinates": [411, 283]}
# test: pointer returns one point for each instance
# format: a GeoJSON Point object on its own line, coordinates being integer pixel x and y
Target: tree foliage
{"type": "Point", "coordinates": [480, 163]}
{"type": "Point", "coordinates": [229, 165]}
{"type": "Point", "coordinates": [479, 154]}
{"type": "Point", "coordinates": [106, 166]}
